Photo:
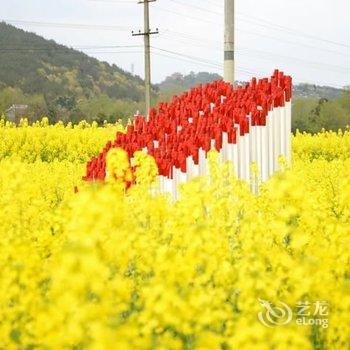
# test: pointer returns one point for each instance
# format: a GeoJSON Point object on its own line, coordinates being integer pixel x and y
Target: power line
{"type": "Point", "coordinates": [131, 2]}
{"type": "Point", "coordinates": [69, 25]}
{"type": "Point", "coordinates": [185, 15]}
{"type": "Point", "coordinates": [215, 64]}
{"type": "Point", "coordinates": [291, 30]}
{"type": "Point", "coordinates": [67, 48]}
{"type": "Point", "coordinates": [251, 19]}
{"type": "Point", "coordinates": [255, 21]}
{"type": "Point", "coordinates": [115, 52]}
{"type": "Point", "coordinates": [283, 41]}
{"type": "Point", "coordinates": [201, 60]}
{"type": "Point", "coordinates": [242, 50]}
{"type": "Point", "coordinates": [100, 52]}
{"type": "Point", "coordinates": [186, 60]}
{"type": "Point", "coordinates": [214, 3]}
{"type": "Point", "coordinates": [196, 7]}
{"type": "Point", "coordinates": [195, 61]}
{"type": "Point", "coordinates": [189, 56]}
{"type": "Point", "coordinates": [245, 51]}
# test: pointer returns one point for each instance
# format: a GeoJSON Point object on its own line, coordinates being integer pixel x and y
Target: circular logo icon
{"type": "Point", "coordinates": [274, 315]}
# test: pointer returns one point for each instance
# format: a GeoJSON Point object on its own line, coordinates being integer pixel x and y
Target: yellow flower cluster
{"type": "Point", "coordinates": [146, 168]}
{"type": "Point", "coordinates": [41, 141]}
{"type": "Point", "coordinates": [109, 269]}
{"type": "Point", "coordinates": [141, 169]}
{"type": "Point", "coordinates": [118, 167]}
{"type": "Point", "coordinates": [326, 144]}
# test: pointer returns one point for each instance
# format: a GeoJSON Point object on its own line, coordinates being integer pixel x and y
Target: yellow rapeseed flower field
{"type": "Point", "coordinates": [105, 269]}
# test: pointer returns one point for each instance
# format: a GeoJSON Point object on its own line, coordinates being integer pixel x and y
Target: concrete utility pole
{"type": "Point", "coordinates": [229, 63]}
{"type": "Point", "coordinates": [147, 33]}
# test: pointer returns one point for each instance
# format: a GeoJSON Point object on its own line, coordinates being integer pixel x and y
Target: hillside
{"type": "Point", "coordinates": [314, 107]}
{"type": "Point", "coordinates": [61, 81]}
{"type": "Point", "coordinates": [316, 91]}
{"type": "Point", "coordinates": [185, 82]}
{"type": "Point", "coordinates": [178, 82]}
{"type": "Point", "coordinates": [66, 84]}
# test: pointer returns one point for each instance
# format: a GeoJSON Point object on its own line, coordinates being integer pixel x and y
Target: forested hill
{"type": "Point", "coordinates": [314, 107]}
{"type": "Point", "coordinates": [178, 82]}
{"type": "Point", "coordinates": [66, 84]}
{"type": "Point", "coordinates": [55, 79]}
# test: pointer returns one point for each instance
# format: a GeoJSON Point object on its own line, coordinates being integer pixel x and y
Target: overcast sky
{"type": "Point", "coordinates": [309, 39]}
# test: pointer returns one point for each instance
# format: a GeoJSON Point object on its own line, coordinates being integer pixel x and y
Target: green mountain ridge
{"type": "Point", "coordinates": [314, 107]}
{"type": "Point", "coordinates": [60, 81]}
{"type": "Point", "coordinates": [177, 82]}
{"type": "Point", "coordinates": [65, 84]}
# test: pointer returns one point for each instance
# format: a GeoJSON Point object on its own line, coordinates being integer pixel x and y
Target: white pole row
{"type": "Point", "coordinates": [263, 145]}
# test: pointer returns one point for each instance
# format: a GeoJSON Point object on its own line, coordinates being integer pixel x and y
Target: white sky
{"type": "Point", "coordinates": [269, 34]}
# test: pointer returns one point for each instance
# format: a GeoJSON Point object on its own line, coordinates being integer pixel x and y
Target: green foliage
{"type": "Point", "coordinates": [312, 115]}
{"type": "Point", "coordinates": [68, 85]}
{"type": "Point", "coordinates": [302, 109]}
{"type": "Point", "coordinates": [106, 108]}
{"type": "Point", "coordinates": [177, 83]}
{"type": "Point", "coordinates": [59, 81]}
{"type": "Point", "coordinates": [304, 90]}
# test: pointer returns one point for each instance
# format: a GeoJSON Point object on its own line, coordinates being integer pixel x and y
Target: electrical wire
{"type": "Point", "coordinates": [283, 41]}
{"type": "Point", "coordinates": [292, 31]}
{"type": "Point", "coordinates": [256, 21]}
{"type": "Point", "coordinates": [181, 14]}
{"type": "Point", "coordinates": [197, 7]}
{"type": "Point", "coordinates": [69, 25]}
{"type": "Point", "coordinates": [66, 49]}
{"type": "Point", "coordinates": [270, 56]}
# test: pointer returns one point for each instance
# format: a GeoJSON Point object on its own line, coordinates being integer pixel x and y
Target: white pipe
{"type": "Point", "coordinates": [195, 170]}
{"type": "Point", "coordinates": [182, 176]}
{"type": "Point", "coordinates": [264, 153]}
{"type": "Point", "coordinates": [161, 183]}
{"type": "Point", "coordinates": [247, 157]}
{"type": "Point", "coordinates": [224, 149]}
{"type": "Point", "coordinates": [229, 152]}
{"type": "Point", "coordinates": [259, 157]}
{"type": "Point", "coordinates": [283, 131]}
{"type": "Point", "coordinates": [262, 145]}
{"type": "Point", "coordinates": [240, 151]}
{"type": "Point", "coordinates": [230, 148]}
{"type": "Point", "coordinates": [168, 184]}
{"type": "Point", "coordinates": [202, 170]}
{"type": "Point", "coordinates": [277, 137]}
{"type": "Point", "coordinates": [253, 143]}
{"type": "Point", "coordinates": [189, 167]}
{"type": "Point", "coordinates": [174, 183]}
{"type": "Point", "coordinates": [270, 125]}
{"type": "Point", "coordinates": [289, 131]}
{"type": "Point", "coordinates": [235, 159]}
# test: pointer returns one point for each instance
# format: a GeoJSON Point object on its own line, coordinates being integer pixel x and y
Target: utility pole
{"type": "Point", "coordinates": [146, 34]}
{"type": "Point", "coordinates": [229, 46]}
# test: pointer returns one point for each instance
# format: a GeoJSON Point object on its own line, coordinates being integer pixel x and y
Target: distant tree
{"type": "Point", "coordinates": [333, 116]}
{"type": "Point", "coordinates": [344, 100]}
{"type": "Point", "coordinates": [302, 112]}
{"type": "Point", "coordinates": [312, 115]}
{"type": "Point", "coordinates": [61, 76]}
{"type": "Point", "coordinates": [66, 102]}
